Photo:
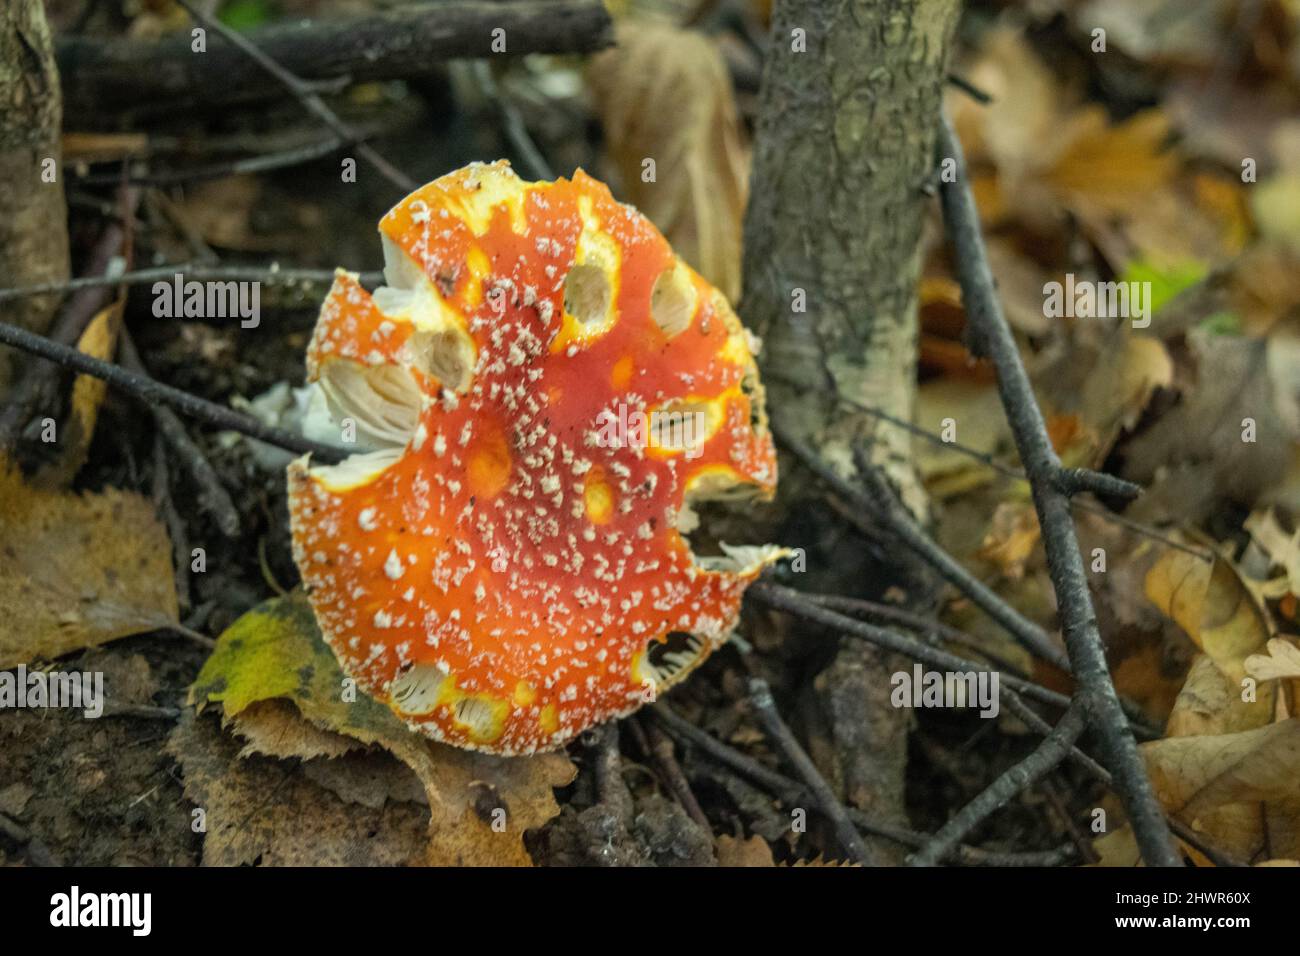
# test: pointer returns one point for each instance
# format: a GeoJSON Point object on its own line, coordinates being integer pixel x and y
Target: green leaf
{"type": "Point", "coordinates": [1166, 281]}
{"type": "Point", "coordinates": [246, 14]}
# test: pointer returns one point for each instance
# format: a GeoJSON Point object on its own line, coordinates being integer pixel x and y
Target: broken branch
{"type": "Point", "coordinates": [104, 76]}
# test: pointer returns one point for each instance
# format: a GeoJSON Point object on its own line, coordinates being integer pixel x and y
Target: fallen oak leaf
{"type": "Point", "coordinates": [1232, 786]}
{"type": "Point", "coordinates": [78, 570]}
{"type": "Point", "coordinates": [1282, 549]}
{"type": "Point", "coordinates": [1224, 617]}
{"type": "Point", "coordinates": [1280, 663]}
{"type": "Point", "coordinates": [1213, 604]}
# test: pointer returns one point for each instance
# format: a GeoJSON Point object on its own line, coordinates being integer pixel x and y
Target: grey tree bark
{"type": "Point", "coordinates": [33, 213]}
{"type": "Point", "coordinates": [837, 199]}
{"type": "Point", "coordinates": [849, 109]}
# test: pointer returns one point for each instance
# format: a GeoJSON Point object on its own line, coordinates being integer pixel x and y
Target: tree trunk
{"type": "Point", "coordinates": [842, 158]}
{"type": "Point", "coordinates": [33, 214]}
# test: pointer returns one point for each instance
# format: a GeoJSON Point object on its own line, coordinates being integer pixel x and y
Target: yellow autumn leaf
{"type": "Point", "coordinates": [99, 340]}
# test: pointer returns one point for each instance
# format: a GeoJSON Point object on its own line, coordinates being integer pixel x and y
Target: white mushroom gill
{"type": "Point", "coordinates": [374, 408]}
{"type": "Point", "coordinates": [378, 406]}
{"type": "Point", "coordinates": [722, 485]}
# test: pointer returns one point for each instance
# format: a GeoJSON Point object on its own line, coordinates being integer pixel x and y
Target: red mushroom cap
{"type": "Point", "coordinates": [540, 391]}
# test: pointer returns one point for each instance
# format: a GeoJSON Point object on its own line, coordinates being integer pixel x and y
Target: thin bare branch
{"type": "Point", "coordinates": [1065, 565]}
{"type": "Point", "coordinates": [760, 698]}
{"type": "Point", "coordinates": [198, 272]}
{"type": "Point", "coordinates": [1054, 748]}
{"type": "Point", "coordinates": [306, 94]}
{"type": "Point", "coordinates": [148, 390]}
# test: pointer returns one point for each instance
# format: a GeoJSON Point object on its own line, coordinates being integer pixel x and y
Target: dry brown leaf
{"type": "Point", "coordinates": [1280, 548]}
{"type": "Point", "coordinates": [1020, 288]}
{"type": "Point", "coordinates": [225, 213]}
{"type": "Point", "coordinates": [370, 778]}
{"type": "Point", "coordinates": [1282, 662]}
{"type": "Point", "coordinates": [1232, 786]}
{"type": "Point", "coordinates": [1111, 170]}
{"type": "Point", "coordinates": [1193, 457]}
{"type": "Point", "coordinates": [1119, 388]}
{"type": "Point", "coordinates": [260, 811]}
{"type": "Point", "coordinates": [479, 804]}
{"type": "Point", "coordinates": [1012, 536]}
{"type": "Point", "coordinates": [734, 851]}
{"type": "Point", "coordinates": [77, 571]}
{"type": "Point", "coordinates": [1038, 153]}
{"type": "Point", "coordinates": [1227, 621]}
{"type": "Point", "coordinates": [975, 412]}
{"type": "Point", "coordinates": [665, 94]}
{"type": "Point", "coordinates": [274, 728]}
{"type": "Point", "coordinates": [1022, 120]}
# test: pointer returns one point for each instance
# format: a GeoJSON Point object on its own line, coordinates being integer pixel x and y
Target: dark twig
{"type": "Point", "coordinates": [969, 88]}
{"type": "Point", "coordinates": [1072, 481]}
{"type": "Point", "coordinates": [512, 122]}
{"type": "Point", "coordinates": [793, 602]}
{"type": "Point", "coordinates": [882, 503]}
{"type": "Point", "coordinates": [267, 162]}
{"type": "Point", "coordinates": [213, 497]}
{"type": "Point", "coordinates": [1054, 748]}
{"type": "Point", "coordinates": [1041, 727]}
{"type": "Point", "coordinates": [1065, 565]}
{"type": "Point", "coordinates": [1052, 789]}
{"type": "Point", "coordinates": [661, 752]}
{"type": "Point", "coordinates": [197, 272]}
{"type": "Point", "coordinates": [306, 94]}
{"type": "Point", "coordinates": [1032, 637]}
{"type": "Point", "coordinates": [1146, 531]}
{"type": "Point", "coordinates": [760, 698]}
{"type": "Point", "coordinates": [166, 507]}
{"type": "Point", "coordinates": [149, 391]}
{"type": "Point", "coordinates": [1212, 853]}
{"type": "Point", "coordinates": [142, 711]}
{"type": "Point", "coordinates": [1004, 470]}
{"type": "Point", "coordinates": [793, 793]}
{"type": "Point", "coordinates": [38, 380]}
{"type": "Point", "coordinates": [916, 623]}
{"type": "Point", "coordinates": [901, 522]}
{"type": "Point", "coordinates": [798, 604]}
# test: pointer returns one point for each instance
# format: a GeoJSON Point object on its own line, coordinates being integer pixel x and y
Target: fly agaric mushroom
{"type": "Point", "coordinates": [540, 392]}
